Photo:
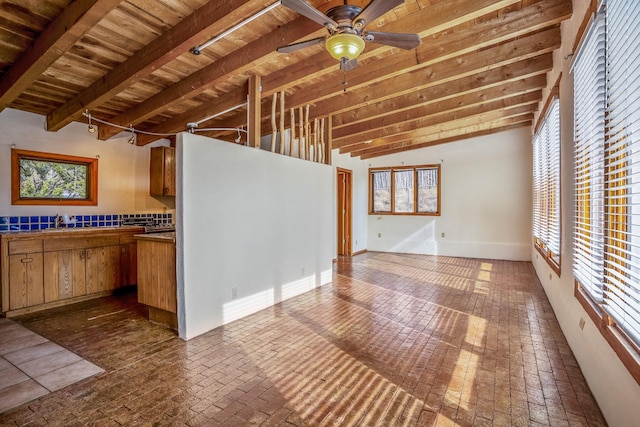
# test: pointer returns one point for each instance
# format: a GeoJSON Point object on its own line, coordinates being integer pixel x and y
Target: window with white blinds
{"type": "Point", "coordinates": [621, 290]}
{"type": "Point", "coordinates": [546, 185]}
{"type": "Point", "coordinates": [588, 135]}
{"type": "Point", "coordinates": [607, 165]}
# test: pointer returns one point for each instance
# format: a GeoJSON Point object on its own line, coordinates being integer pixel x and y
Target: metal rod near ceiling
{"type": "Point", "coordinates": [196, 50]}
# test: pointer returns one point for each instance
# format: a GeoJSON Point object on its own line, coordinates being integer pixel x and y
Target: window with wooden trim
{"type": "Point", "coordinates": [546, 186]}
{"type": "Point", "coordinates": [405, 190]}
{"type": "Point", "coordinates": [606, 74]}
{"type": "Point", "coordinates": [53, 179]}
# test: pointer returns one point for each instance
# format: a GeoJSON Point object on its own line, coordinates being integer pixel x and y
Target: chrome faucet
{"type": "Point", "coordinates": [57, 221]}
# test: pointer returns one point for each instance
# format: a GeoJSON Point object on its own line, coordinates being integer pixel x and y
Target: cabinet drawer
{"type": "Point", "coordinates": [80, 243]}
{"type": "Point", "coordinates": [25, 246]}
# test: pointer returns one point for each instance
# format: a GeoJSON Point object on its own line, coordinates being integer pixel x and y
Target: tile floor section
{"type": "Point", "coordinates": [395, 340]}
{"type": "Point", "coordinates": [32, 366]}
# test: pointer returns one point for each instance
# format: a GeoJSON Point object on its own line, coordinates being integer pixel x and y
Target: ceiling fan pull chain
{"type": "Point", "coordinates": [344, 80]}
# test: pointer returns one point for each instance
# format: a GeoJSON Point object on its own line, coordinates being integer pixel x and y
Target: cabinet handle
{"type": "Point", "coordinates": [82, 255]}
{"type": "Point", "coordinates": [88, 255]}
{"type": "Point", "coordinates": [26, 260]}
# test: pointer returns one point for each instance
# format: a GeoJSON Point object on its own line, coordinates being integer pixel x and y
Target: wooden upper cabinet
{"type": "Point", "coordinates": [162, 170]}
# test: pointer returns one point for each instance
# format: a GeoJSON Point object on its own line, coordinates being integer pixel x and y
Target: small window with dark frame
{"type": "Point", "coordinates": [405, 190]}
{"type": "Point", "coordinates": [53, 179]}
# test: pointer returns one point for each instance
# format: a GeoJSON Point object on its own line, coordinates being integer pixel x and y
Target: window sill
{"type": "Point", "coordinates": [552, 263]}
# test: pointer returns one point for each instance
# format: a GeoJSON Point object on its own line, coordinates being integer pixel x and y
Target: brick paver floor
{"type": "Point", "coordinates": [395, 340]}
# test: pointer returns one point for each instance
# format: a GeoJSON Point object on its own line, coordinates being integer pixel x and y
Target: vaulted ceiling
{"type": "Point", "coordinates": [480, 68]}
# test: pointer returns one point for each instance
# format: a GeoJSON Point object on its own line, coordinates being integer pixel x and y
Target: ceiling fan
{"type": "Point", "coordinates": [347, 35]}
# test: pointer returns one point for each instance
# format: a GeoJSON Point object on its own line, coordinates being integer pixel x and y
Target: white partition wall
{"type": "Point", "coordinates": [254, 228]}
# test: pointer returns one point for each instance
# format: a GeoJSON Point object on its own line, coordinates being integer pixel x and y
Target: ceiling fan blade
{"type": "Point", "coordinates": [400, 40]}
{"type": "Point", "coordinates": [374, 10]}
{"type": "Point", "coordinates": [300, 45]}
{"type": "Point", "coordinates": [348, 65]}
{"type": "Point", "coordinates": [305, 9]}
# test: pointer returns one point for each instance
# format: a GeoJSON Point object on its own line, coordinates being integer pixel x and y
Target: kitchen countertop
{"type": "Point", "coordinates": [73, 231]}
{"type": "Point", "coordinates": [167, 236]}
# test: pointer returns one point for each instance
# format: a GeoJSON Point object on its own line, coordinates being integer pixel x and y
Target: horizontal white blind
{"type": "Point", "coordinates": [538, 191]}
{"type": "Point", "coordinates": [589, 115]}
{"type": "Point", "coordinates": [622, 159]}
{"type": "Point", "coordinates": [553, 217]}
{"type": "Point", "coordinates": [546, 182]}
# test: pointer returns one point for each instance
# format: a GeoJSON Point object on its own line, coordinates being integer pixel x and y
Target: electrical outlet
{"type": "Point", "coordinates": [379, 235]}
{"type": "Point", "coordinates": [356, 243]}
{"type": "Point", "coordinates": [550, 276]}
{"type": "Point", "coordinates": [442, 234]}
{"type": "Point", "coordinates": [234, 293]}
{"type": "Point", "coordinates": [581, 323]}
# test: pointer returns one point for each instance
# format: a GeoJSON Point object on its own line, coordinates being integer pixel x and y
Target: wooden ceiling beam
{"type": "Point", "coordinates": [440, 81]}
{"type": "Point", "coordinates": [64, 31]}
{"type": "Point", "coordinates": [526, 69]}
{"type": "Point", "coordinates": [456, 43]}
{"type": "Point", "coordinates": [517, 23]}
{"type": "Point", "coordinates": [212, 18]}
{"type": "Point", "coordinates": [450, 122]}
{"type": "Point", "coordinates": [438, 17]}
{"type": "Point", "coordinates": [216, 72]}
{"type": "Point", "coordinates": [427, 21]}
{"type": "Point", "coordinates": [536, 48]}
{"type": "Point", "coordinates": [406, 129]}
{"type": "Point", "coordinates": [437, 74]}
{"type": "Point", "coordinates": [447, 136]}
{"type": "Point", "coordinates": [238, 62]}
{"type": "Point", "coordinates": [456, 137]}
{"type": "Point", "coordinates": [179, 123]}
{"type": "Point", "coordinates": [524, 92]}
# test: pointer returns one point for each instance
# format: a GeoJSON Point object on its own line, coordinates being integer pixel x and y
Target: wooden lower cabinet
{"type": "Point", "coordinates": [128, 264]}
{"type": "Point", "coordinates": [25, 275]}
{"type": "Point", "coordinates": [157, 273]}
{"type": "Point", "coordinates": [64, 274]}
{"type": "Point", "coordinates": [77, 272]}
{"type": "Point", "coordinates": [52, 269]}
{"type": "Point", "coordinates": [102, 269]}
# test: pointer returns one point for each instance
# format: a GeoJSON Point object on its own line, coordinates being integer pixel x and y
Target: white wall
{"type": "Point", "coordinates": [254, 228]}
{"type": "Point", "coordinates": [123, 169]}
{"type": "Point", "coordinates": [615, 390]}
{"type": "Point", "coordinates": [485, 200]}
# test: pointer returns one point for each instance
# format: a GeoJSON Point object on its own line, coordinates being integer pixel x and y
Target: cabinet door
{"type": "Point", "coordinates": [162, 172]}
{"type": "Point", "coordinates": [92, 279]}
{"type": "Point", "coordinates": [128, 264]}
{"type": "Point", "coordinates": [26, 280]}
{"type": "Point", "coordinates": [64, 274]}
{"type": "Point", "coordinates": [169, 171]}
{"type": "Point", "coordinates": [103, 268]}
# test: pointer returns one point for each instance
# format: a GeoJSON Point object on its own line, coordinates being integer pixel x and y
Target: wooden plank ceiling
{"type": "Point", "coordinates": [480, 68]}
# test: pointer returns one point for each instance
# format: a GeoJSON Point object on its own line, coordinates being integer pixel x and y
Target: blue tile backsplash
{"type": "Point", "coordinates": [29, 223]}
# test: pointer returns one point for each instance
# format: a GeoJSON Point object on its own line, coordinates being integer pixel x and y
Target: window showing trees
{"type": "Point", "coordinates": [405, 190]}
{"type": "Point", "coordinates": [44, 178]}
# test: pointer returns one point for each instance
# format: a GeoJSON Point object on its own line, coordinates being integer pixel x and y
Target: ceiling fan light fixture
{"type": "Point", "coordinates": [345, 45]}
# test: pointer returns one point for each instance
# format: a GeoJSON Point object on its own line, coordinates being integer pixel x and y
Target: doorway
{"type": "Point", "coordinates": [344, 211]}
